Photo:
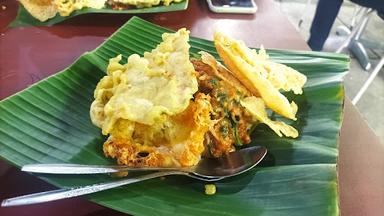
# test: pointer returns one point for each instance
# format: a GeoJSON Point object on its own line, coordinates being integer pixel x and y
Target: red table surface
{"type": "Point", "coordinates": [28, 54]}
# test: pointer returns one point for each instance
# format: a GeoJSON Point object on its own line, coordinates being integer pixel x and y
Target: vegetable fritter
{"type": "Point", "coordinates": [231, 122]}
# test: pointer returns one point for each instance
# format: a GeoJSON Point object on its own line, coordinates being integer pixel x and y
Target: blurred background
{"type": "Point", "coordinates": [371, 104]}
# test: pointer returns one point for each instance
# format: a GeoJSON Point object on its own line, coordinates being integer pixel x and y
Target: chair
{"type": "Point", "coordinates": [356, 47]}
{"type": "Point", "coordinates": [361, 15]}
{"type": "Point", "coordinates": [368, 82]}
{"type": "Point", "coordinates": [354, 33]}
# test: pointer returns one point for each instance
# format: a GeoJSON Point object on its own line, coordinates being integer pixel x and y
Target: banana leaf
{"type": "Point", "coordinates": [24, 18]}
{"type": "Point", "coordinates": [49, 123]}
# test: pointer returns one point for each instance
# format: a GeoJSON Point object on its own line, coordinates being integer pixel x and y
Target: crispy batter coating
{"type": "Point", "coordinates": [261, 75]}
{"type": "Point", "coordinates": [148, 88]}
{"type": "Point", "coordinates": [225, 107]}
{"type": "Point", "coordinates": [265, 78]}
{"type": "Point", "coordinates": [232, 123]}
{"type": "Point", "coordinates": [178, 141]}
{"type": "Point", "coordinates": [40, 9]}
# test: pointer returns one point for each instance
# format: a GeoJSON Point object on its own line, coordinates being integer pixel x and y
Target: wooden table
{"type": "Point", "coordinates": [24, 60]}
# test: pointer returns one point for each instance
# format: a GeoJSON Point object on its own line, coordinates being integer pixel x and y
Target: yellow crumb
{"type": "Point", "coordinates": [210, 189]}
{"type": "Point", "coordinates": [120, 174]}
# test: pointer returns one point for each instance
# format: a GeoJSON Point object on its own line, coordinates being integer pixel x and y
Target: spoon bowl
{"type": "Point", "coordinates": [232, 164]}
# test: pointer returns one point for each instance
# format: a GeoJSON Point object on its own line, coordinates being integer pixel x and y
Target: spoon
{"type": "Point", "coordinates": [208, 169]}
{"type": "Point", "coordinates": [234, 163]}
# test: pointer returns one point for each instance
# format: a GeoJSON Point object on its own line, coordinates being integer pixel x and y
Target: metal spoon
{"type": "Point", "coordinates": [233, 163]}
{"type": "Point", "coordinates": [207, 170]}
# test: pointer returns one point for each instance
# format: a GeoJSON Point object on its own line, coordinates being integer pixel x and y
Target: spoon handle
{"type": "Point", "coordinates": [86, 169]}
{"type": "Point", "coordinates": [77, 191]}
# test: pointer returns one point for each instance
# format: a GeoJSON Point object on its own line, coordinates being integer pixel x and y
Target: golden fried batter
{"type": "Point", "coordinates": [167, 110]}
{"type": "Point", "coordinates": [178, 141]}
{"type": "Point", "coordinates": [232, 123]}
{"type": "Point", "coordinates": [261, 75]}
{"type": "Point", "coordinates": [40, 9]}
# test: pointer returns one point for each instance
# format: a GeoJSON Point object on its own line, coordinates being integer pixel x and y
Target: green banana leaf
{"type": "Point", "coordinates": [24, 18]}
{"type": "Point", "coordinates": [49, 123]}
